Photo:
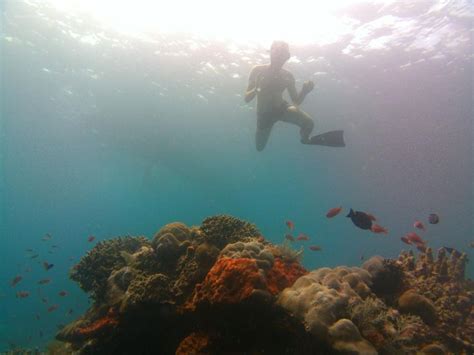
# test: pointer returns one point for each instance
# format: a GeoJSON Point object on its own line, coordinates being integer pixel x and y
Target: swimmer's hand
{"type": "Point", "coordinates": [308, 86]}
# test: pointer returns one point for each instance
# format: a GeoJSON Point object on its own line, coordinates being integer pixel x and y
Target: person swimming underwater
{"type": "Point", "coordinates": [268, 82]}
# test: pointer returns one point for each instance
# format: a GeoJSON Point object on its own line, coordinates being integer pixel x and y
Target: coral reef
{"type": "Point", "coordinates": [93, 270]}
{"type": "Point", "coordinates": [322, 297]}
{"type": "Point", "coordinates": [222, 288]}
{"type": "Point", "coordinates": [222, 229]}
{"type": "Point", "coordinates": [440, 281]}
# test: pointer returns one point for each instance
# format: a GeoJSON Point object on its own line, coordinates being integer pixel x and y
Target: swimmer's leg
{"type": "Point", "coordinates": [300, 118]}
{"type": "Point", "coordinates": [264, 128]}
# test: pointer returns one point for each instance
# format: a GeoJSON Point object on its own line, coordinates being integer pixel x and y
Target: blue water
{"type": "Point", "coordinates": [123, 136]}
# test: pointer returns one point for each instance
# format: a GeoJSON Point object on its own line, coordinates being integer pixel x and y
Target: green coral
{"type": "Point", "coordinates": [95, 267]}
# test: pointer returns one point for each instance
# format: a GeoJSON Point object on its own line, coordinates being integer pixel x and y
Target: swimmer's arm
{"type": "Point", "coordinates": [252, 85]}
{"type": "Point", "coordinates": [296, 97]}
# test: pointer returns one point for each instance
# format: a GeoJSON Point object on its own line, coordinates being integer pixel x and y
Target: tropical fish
{"type": "Point", "coordinates": [62, 293]}
{"type": "Point", "coordinates": [333, 212]}
{"type": "Point", "coordinates": [22, 294]}
{"type": "Point", "coordinates": [44, 281]}
{"type": "Point", "coordinates": [360, 219]}
{"type": "Point", "coordinates": [433, 218]}
{"type": "Point", "coordinates": [419, 225]}
{"type": "Point", "coordinates": [69, 312]}
{"type": "Point", "coordinates": [15, 280]}
{"type": "Point", "coordinates": [290, 237]}
{"type": "Point", "coordinates": [41, 333]}
{"type": "Point", "coordinates": [302, 236]}
{"type": "Point", "coordinates": [44, 300]}
{"type": "Point", "coordinates": [405, 240]}
{"type": "Point", "coordinates": [34, 256]}
{"type": "Point", "coordinates": [54, 246]}
{"type": "Point", "coordinates": [29, 250]}
{"type": "Point", "coordinates": [415, 238]}
{"type": "Point", "coordinates": [47, 265]}
{"type": "Point", "coordinates": [371, 216]}
{"type": "Point", "coordinates": [471, 244]}
{"type": "Point", "coordinates": [53, 308]}
{"type": "Point", "coordinates": [290, 225]}
{"type": "Point", "coordinates": [46, 237]}
{"type": "Point", "coordinates": [315, 248]}
{"type": "Point", "coordinates": [378, 229]}
{"type": "Point", "coordinates": [91, 238]}
{"type": "Point", "coordinates": [28, 269]}
{"type": "Point", "coordinates": [37, 316]}
{"type": "Point", "coordinates": [362, 257]}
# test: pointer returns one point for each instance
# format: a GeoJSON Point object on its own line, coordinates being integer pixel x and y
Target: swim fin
{"type": "Point", "coordinates": [330, 139]}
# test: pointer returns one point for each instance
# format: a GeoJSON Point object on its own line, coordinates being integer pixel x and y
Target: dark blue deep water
{"type": "Point", "coordinates": [104, 134]}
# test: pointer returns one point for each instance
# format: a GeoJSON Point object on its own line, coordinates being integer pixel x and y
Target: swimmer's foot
{"type": "Point", "coordinates": [329, 139]}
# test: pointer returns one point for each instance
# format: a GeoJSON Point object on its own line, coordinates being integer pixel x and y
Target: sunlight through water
{"type": "Point", "coordinates": [300, 21]}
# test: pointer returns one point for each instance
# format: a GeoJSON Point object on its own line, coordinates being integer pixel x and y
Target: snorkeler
{"type": "Point", "coordinates": [268, 82]}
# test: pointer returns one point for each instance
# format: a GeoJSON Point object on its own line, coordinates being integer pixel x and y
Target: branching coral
{"type": "Point", "coordinates": [95, 267]}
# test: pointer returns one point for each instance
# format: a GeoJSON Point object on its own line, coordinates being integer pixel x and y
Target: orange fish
{"type": "Point", "coordinates": [22, 294]}
{"type": "Point", "coordinates": [419, 225]}
{"type": "Point", "coordinates": [44, 281]}
{"type": "Point", "coordinates": [290, 237]}
{"type": "Point", "coordinates": [91, 238]}
{"type": "Point", "coordinates": [414, 238]}
{"type": "Point", "coordinates": [405, 240]}
{"type": "Point", "coordinates": [302, 236]}
{"type": "Point", "coordinates": [62, 293]}
{"type": "Point", "coordinates": [15, 280]}
{"type": "Point", "coordinates": [53, 308]}
{"type": "Point", "coordinates": [290, 225]}
{"type": "Point", "coordinates": [315, 248]}
{"type": "Point", "coordinates": [378, 229]}
{"type": "Point", "coordinates": [333, 212]}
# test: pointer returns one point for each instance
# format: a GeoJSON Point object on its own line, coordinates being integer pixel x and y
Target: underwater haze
{"type": "Point", "coordinates": [105, 133]}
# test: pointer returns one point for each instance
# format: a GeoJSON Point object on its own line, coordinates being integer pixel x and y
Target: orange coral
{"type": "Point", "coordinates": [229, 281]}
{"type": "Point", "coordinates": [283, 274]}
{"type": "Point", "coordinates": [193, 344]}
{"type": "Point", "coordinates": [100, 325]}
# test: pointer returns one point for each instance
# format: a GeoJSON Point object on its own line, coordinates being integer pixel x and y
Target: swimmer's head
{"type": "Point", "coordinates": [279, 52]}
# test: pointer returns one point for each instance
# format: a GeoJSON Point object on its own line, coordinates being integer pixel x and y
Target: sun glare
{"type": "Point", "coordinates": [298, 21]}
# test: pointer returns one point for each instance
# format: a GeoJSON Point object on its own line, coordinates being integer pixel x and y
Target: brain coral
{"type": "Point", "coordinates": [323, 296]}
{"type": "Point", "coordinates": [252, 250]}
{"type": "Point", "coordinates": [171, 241]}
{"type": "Point", "coordinates": [222, 229]}
{"type": "Point", "coordinates": [95, 267]}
